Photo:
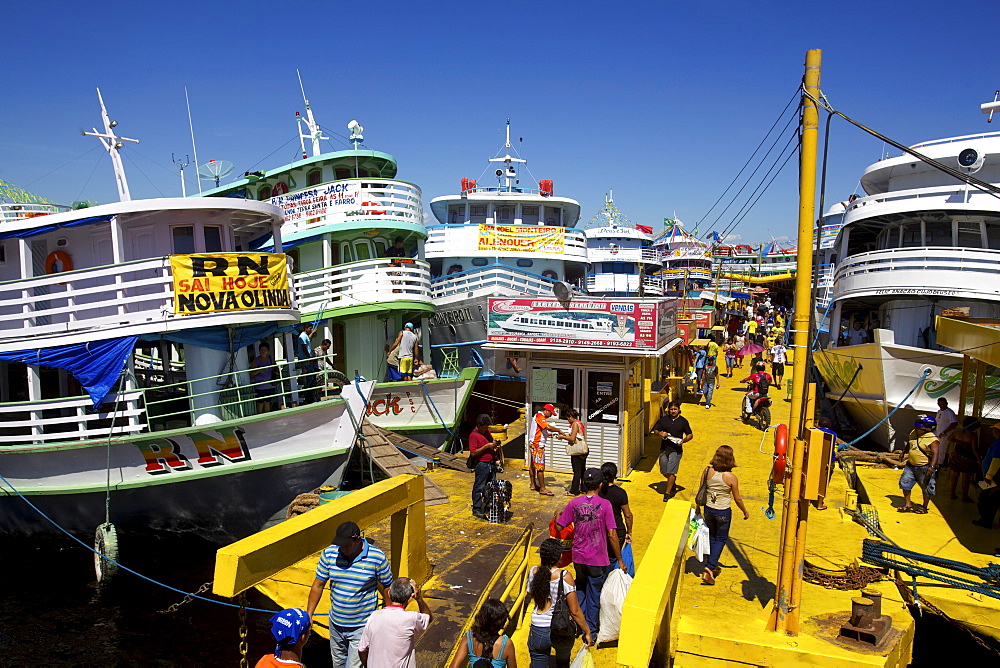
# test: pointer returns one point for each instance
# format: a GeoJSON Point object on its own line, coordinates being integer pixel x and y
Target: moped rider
{"type": "Point", "coordinates": [760, 382]}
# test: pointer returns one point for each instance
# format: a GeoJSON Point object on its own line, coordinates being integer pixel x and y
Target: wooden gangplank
{"type": "Point", "coordinates": [387, 457]}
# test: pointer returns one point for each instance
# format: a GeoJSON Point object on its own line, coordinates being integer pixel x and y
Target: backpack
{"type": "Point", "coordinates": [763, 384]}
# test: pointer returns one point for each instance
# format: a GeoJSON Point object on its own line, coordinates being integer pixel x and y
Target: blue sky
{"type": "Point", "coordinates": [661, 102]}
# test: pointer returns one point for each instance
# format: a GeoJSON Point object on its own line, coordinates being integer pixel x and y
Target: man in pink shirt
{"type": "Point", "coordinates": [391, 633]}
{"type": "Point", "coordinates": [593, 521]}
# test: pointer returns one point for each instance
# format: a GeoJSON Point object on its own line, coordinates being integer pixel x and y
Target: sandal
{"type": "Point", "coordinates": [905, 509]}
{"type": "Point", "coordinates": [919, 510]}
{"type": "Point", "coordinates": [546, 493]}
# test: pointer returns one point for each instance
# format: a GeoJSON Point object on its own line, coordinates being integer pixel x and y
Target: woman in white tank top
{"type": "Point", "coordinates": [723, 489]}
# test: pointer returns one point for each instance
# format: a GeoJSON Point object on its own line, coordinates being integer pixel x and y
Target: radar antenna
{"type": "Point", "coordinates": [356, 133]}
{"type": "Point", "coordinates": [113, 145]}
{"type": "Point", "coordinates": [312, 130]}
{"type": "Point", "coordinates": [214, 170]}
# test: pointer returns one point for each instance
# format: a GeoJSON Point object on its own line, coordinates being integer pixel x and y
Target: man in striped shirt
{"type": "Point", "coordinates": [357, 572]}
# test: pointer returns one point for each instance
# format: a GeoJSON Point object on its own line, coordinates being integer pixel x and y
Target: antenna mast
{"type": "Point", "coordinates": [508, 174]}
{"type": "Point", "coordinates": [194, 147]}
{"type": "Point", "coordinates": [313, 131]}
{"type": "Point", "coordinates": [113, 144]}
{"type": "Point", "coordinates": [181, 166]}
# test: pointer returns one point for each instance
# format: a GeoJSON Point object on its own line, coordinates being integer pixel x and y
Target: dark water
{"type": "Point", "coordinates": [52, 612]}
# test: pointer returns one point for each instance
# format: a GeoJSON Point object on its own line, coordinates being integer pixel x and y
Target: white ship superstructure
{"type": "Point", "coordinates": [623, 262]}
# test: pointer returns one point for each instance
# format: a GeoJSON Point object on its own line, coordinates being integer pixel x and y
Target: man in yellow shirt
{"type": "Point", "coordinates": [920, 455]}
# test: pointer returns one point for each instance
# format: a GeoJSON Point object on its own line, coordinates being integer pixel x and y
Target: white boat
{"type": "Point", "coordinates": [344, 211]}
{"type": "Point", "coordinates": [505, 240]}
{"type": "Point", "coordinates": [919, 244]}
{"type": "Point", "coordinates": [552, 325]}
{"type": "Point", "coordinates": [621, 254]}
{"type": "Point", "coordinates": [99, 422]}
{"type": "Point", "coordinates": [687, 260]}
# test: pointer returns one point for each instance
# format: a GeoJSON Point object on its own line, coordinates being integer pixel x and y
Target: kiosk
{"type": "Point", "coordinates": [596, 355]}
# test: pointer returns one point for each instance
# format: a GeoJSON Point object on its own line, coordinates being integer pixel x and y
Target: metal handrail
{"type": "Point", "coordinates": [523, 545]}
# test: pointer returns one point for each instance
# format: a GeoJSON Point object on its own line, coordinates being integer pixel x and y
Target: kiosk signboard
{"type": "Point", "coordinates": [583, 323]}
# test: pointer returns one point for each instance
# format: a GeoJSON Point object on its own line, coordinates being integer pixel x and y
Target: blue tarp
{"type": "Point", "coordinates": [35, 231]}
{"type": "Point", "coordinates": [217, 338]}
{"type": "Point", "coordinates": [96, 364]}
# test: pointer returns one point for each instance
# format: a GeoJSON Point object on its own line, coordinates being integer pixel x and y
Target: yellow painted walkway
{"type": "Point", "coordinates": [945, 531]}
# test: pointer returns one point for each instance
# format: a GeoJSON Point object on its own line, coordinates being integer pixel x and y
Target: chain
{"type": "Point", "coordinates": [244, 648]}
{"type": "Point", "coordinates": [187, 598]}
{"type": "Point", "coordinates": [852, 578]}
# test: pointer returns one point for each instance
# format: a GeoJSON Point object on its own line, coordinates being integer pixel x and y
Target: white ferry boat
{"type": "Point", "coordinates": [505, 240]}
{"type": "Point", "coordinates": [355, 235]}
{"type": "Point", "coordinates": [99, 423]}
{"type": "Point", "coordinates": [687, 260]}
{"type": "Point", "coordinates": [921, 242]}
{"type": "Point", "coordinates": [558, 326]}
{"type": "Point", "coordinates": [622, 258]}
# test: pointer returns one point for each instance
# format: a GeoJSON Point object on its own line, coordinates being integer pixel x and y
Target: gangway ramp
{"type": "Point", "coordinates": [387, 457]}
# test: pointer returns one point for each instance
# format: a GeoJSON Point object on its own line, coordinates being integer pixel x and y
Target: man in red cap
{"type": "Point", "coordinates": [539, 432]}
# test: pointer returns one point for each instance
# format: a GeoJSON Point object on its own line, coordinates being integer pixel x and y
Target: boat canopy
{"type": "Point", "coordinates": [96, 364]}
{"type": "Point", "coordinates": [43, 229]}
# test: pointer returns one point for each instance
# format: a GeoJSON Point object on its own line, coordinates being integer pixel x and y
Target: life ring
{"type": "Point", "coordinates": [780, 452]}
{"type": "Point", "coordinates": [65, 262]}
{"type": "Point", "coordinates": [372, 211]}
{"type": "Point", "coordinates": [280, 188]}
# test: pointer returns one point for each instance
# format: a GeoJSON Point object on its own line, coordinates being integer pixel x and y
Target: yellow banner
{"type": "Point", "coordinates": [530, 238]}
{"type": "Point", "coordinates": [211, 282]}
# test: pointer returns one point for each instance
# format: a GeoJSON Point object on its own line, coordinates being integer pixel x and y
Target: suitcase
{"type": "Point", "coordinates": [498, 495]}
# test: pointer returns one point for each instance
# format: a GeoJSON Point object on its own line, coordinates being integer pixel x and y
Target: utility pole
{"type": "Point", "coordinates": [787, 601]}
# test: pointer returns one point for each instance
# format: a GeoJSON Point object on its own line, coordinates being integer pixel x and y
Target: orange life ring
{"type": "Point", "coordinates": [280, 188]}
{"type": "Point", "coordinates": [64, 260]}
{"type": "Point", "coordinates": [372, 211]}
{"type": "Point", "coordinates": [780, 452]}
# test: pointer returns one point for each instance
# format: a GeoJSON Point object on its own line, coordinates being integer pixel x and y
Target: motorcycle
{"type": "Point", "coordinates": [758, 407]}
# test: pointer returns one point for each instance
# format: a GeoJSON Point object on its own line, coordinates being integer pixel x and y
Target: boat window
{"type": "Point", "coordinates": [314, 177]}
{"type": "Point", "coordinates": [456, 214]}
{"type": "Point", "coordinates": [213, 239]}
{"type": "Point", "coordinates": [477, 214]}
{"type": "Point", "coordinates": [993, 234]}
{"type": "Point", "coordinates": [479, 262]}
{"type": "Point", "coordinates": [264, 193]}
{"type": "Point", "coordinates": [969, 235]}
{"type": "Point", "coordinates": [889, 237]}
{"type": "Point", "coordinates": [363, 250]}
{"type": "Point", "coordinates": [553, 215]}
{"type": "Point", "coordinates": [381, 246]}
{"type": "Point", "coordinates": [937, 233]}
{"type": "Point", "coordinates": [183, 238]}
{"type": "Point", "coordinates": [911, 236]}
{"type": "Point", "coordinates": [524, 262]}
{"type": "Point", "coordinates": [341, 173]}
{"type": "Point", "coordinates": [3, 253]}
{"type": "Point", "coordinates": [345, 253]}
{"type": "Point", "coordinates": [362, 173]}
{"type": "Point", "coordinates": [506, 214]}
{"type": "Point", "coordinates": [529, 215]}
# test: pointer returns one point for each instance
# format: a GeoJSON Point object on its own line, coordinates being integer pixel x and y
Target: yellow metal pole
{"type": "Point", "coordinates": [784, 616]}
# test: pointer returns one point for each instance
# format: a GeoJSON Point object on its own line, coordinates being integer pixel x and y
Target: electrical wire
{"type": "Point", "coordinates": [795, 96]}
{"type": "Point", "coordinates": [270, 154]}
{"type": "Point", "coordinates": [36, 180]}
{"type": "Point", "coordinates": [139, 169]}
{"type": "Point", "coordinates": [748, 206]}
{"type": "Point", "coordinates": [87, 182]}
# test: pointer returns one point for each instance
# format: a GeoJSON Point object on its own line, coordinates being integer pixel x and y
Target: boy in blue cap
{"type": "Point", "coordinates": [290, 629]}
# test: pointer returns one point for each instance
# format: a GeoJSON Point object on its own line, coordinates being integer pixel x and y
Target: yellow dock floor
{"type": "Point", "coordinates": [946, 531]}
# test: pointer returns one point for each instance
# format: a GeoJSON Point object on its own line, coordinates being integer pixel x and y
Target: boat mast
{"type": "Point", "coordinates": [313, 131]}
{"type": "Point", "coordinates": [113, 144]}
{"type": "Point", "coordinates": [508, 173]}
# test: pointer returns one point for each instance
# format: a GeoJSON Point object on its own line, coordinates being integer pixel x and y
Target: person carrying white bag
{"type": "Point", "coordinates": [612, 600]}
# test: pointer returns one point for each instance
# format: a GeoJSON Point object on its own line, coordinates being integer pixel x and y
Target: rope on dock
{"type": "Point", "coordinates": [875, 552]}
{"type": "Point", "coordinates": [851, 579]}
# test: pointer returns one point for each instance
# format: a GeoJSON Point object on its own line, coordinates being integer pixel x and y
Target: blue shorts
{"type": "Point", "coordinates": [918, 475]}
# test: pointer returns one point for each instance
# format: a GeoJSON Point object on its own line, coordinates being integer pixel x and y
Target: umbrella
{"type": "Point", "coordinates": [750, 349]}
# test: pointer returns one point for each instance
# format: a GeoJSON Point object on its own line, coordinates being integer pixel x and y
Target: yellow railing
{"type": "Point", "coordinates": [520, 551]}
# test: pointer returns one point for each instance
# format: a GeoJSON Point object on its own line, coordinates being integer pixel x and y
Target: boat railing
{"type": "Point", "coordinates": [128, 293]}
{"type": "Point", "coordinates": [11, 213]}
{"type": "Point", "coordinates": [380, 199]}
{"type": "Point", "coordinates": [607, 282]}
{"type": "Point", "coordinates": [364, 282]}
{"type": "Point", "coordinates": [230, 395]}
{"type": "Point", "coordinates": [953, 140]}
{"type": "Point", "coordinates": [461, 240]}
{"type": "Point", "coordinates": [944, 193]}
{"type": "Point", "coordinates": [489, 277]}
{"type": "Point", "coordinates": [920, 270]}
{"type": "Point", "coordinates": [70, 418]}
{"type": "Point", "coordinates": [620, 254]}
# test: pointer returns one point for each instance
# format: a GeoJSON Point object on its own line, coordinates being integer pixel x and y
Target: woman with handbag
{"type": "Point", "coordinates": [576, 448]}
{"type": "Point", "coordinates": [557, 614]}
{"type": "Point", "coordinates": [719, 487]}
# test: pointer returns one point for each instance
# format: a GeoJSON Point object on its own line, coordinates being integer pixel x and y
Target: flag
{"type": "Point", "coordinates": [648, 229]}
